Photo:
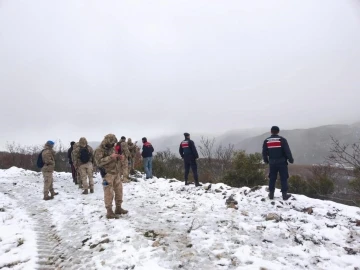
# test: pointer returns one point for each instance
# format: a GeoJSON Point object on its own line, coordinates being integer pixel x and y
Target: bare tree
{"type": "Point", "coordinates": [206, 147]}
{"type": "Point", "coordinates": [214, 161]}
{"type": "Point", "coordinates": [345, 154]}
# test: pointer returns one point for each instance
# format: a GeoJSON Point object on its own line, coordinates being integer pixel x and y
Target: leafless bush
{"type": "Point", "coordinates": [345, 154]}
{"type": "Point", "coordinates": [214, 161]}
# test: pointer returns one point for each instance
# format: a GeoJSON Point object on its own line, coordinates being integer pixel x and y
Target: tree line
{"type": "Point", "coordinates": [338, 179]}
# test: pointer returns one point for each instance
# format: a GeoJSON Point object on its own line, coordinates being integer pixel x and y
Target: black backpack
{"type": "Point", "coordinates": [84, 155]}
{"type": "Point", "coordinates": [40, 162]}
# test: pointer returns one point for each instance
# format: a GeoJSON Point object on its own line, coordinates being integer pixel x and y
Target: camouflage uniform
{"type": "Point", "coordinates": [48, 157]}
{"type": "Point", "coordinates": [85, 169]}
{"type": "Point", "coordinates": [132, 148]}
{"type": "Point", "coordinates": [76, 168]}
{"type": "Point", "coordinates": [124, 163]}
{"type": "Point", "coordinates": [112, 181]}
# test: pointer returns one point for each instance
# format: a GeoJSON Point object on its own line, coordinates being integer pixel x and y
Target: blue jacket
{"type": "Point", "coordinates": [276, 150]}
{"type": "Point", "coordinates": [147, 150]}
{"type": "Point", "coordinates": [187, 149]}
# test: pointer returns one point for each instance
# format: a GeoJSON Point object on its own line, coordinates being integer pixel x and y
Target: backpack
{"type": "Point", "coordinates": [40, 162]}
{"type": "Point", "coordinates": [84, 155]}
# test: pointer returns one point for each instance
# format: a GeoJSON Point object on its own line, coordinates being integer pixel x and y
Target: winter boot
{"type": "Point", "coordinates": [186, 183]}
{"type": "Point", "coordinates": [91, 190]}
{"type": "Point", "coordinates": [110, 214]}
{"type": "Point", "coordinates": [85, 192]}
{"type": "Point", "coordinates": [47, 198]}
{"type": "Point", "coordinates": [120, 211]}
{"type": "Point", "coordinates": [197, 184]}
{"type": "Point", "coordinates": [271, 195]}
{"type": "Point", "coordinates": [286, 196]}
{"type": "Point", "coordinates": [53, 193]}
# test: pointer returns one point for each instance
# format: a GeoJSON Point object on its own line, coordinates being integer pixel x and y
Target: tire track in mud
{"type": "Point", "coordinates": [56, 249]}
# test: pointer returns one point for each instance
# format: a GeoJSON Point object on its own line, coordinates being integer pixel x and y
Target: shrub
{"type": "Point", "coordinates": [298, 185]}
{"type": "Point", "coordinates": [168, 165]}
{"type": "Point", "coordinates": [246, 170]}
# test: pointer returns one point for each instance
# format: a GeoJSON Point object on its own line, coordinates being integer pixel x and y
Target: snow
{"type": "Point", "coordinates": [171, 226]}
{"type": "Point", "coordinates": [17, 238]}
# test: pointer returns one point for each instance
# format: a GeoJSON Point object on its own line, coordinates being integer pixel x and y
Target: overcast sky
{"type": "Point", "coordinates": [148, 68]}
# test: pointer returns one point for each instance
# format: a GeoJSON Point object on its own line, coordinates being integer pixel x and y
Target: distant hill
{"type": "Point", "coordinates": [308, 146]}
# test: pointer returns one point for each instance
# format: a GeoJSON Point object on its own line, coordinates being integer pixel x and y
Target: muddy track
{"type": "Point", "coordinates": [56, 249]}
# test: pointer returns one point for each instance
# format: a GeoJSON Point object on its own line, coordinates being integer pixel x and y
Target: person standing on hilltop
{"type": "Point", "coordinates": [132, 148]}
{"type": "Point", "coordinates": [83, 159]}
{"type": "Point", "coordinates": [147, 151]}
{"type": "Point", "coordinates": [276, 152]}
{"type": "Point", "coordinates": [48, 167]}
{"type": "Point", "coordinates": [189, 153]}
{"type": "Point", "coordinates": [122, 149]}
{"type": "Point", "coordinates": [107, 161]}
{"type": "Point", "coordinates": [73, 171]}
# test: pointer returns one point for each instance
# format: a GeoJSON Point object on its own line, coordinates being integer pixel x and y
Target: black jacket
{"type": "Point", "coordinates": [276, 150]}
{"type": "Point", "coordinates": [147, 150]}
{"type": "Point", "coordinates": [69, 155]}
{"type": "Point", "coordinates": [187, 149]}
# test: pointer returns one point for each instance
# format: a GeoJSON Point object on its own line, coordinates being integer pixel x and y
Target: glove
{"type": "Point", "coordinates": [266, 161]}
{"type": "Point", "coordinates": [291, 161]}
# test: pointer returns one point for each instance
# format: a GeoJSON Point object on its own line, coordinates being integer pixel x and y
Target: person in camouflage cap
{"type": "Point", "coordinates": [84, 156]}
{"type": "Point", "coordinates": [48, 157]}
{"type": "Point", "coordinates": [76, 168]}
{"type": "Point", "coordinates": [107, 160]}
{"type": "Point", "coordinates": [132, 148]}
{"type": "Point", "coordinates": [122, 149]}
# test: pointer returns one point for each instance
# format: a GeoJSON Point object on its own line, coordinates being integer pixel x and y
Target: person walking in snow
{"type": "Point", "coordinates": [48, 158]}
{"type": "Point", "coordinates": [276, 152]}
{"type": "Point", "coordinates": [147, 151]}
{"type": "Point", "coordinates": [84, 155]}
{"type": "Point", "coordinates": [189, 153]}
{"type": "Point", "coordinates": [107, 160]}
{"type": "Point", "coordinates": [73, 170]}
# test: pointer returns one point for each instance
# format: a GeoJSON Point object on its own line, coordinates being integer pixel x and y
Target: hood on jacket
{"type": "Point", "coordinates": [109, 139]}
{"type": "Point", "coordinates": [83, 142]}
{"type": "Point", "coordinates": [129, 140]}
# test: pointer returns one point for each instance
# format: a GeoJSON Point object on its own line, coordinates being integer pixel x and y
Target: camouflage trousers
{"type": "Point", "coordinates": [86, 171]}
{"type": "Point", "coordinates": [78, 177]}
{"type": "Point", "coordinates": [114, 186]}
{"type": "Point", "coordinates": [132, 162]}
{"type": "Point", "coordinates": [48, 183]}
{"type": "Point", "coordinates": [124, 170]}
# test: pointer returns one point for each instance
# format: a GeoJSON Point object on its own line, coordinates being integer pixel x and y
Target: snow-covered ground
{"type": "Point", "coordinates": [170, 226]}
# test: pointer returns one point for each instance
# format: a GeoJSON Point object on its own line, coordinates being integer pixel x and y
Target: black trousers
{"type": "Point", "coordinates": [190, 162]}
{"type": "Point", "coordinates": [281, 169]}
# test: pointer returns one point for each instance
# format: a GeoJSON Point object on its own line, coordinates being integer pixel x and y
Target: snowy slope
{"type": "Point", "coordinates": [171, 226]}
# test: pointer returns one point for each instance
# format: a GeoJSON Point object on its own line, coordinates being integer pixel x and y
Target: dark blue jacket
{"type": "Point", "coordinates": [276, 150]}
{"type": "Point", "coordinates": [147, 150]}
{"type": "Point", "coordinates": [187, 149]}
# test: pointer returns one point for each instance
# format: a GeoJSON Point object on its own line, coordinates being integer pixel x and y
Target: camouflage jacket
{"type": "Point", "coordinates": [76, 152]}
{"type": "Point", "coordinates": [103, 154]}
{"type": "Point", "coordinates": [48, 156]}
{"type": "Point", "coordinates": [125, 149]}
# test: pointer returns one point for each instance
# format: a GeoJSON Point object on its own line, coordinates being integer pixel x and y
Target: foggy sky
{"type": "Point", "coordinates": [148, 68]}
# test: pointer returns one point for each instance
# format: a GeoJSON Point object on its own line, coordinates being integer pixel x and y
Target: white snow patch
{"type": "Point", "coordinates": [17, 237]}
{"type": "Point", "coordinates": [173, 226]}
